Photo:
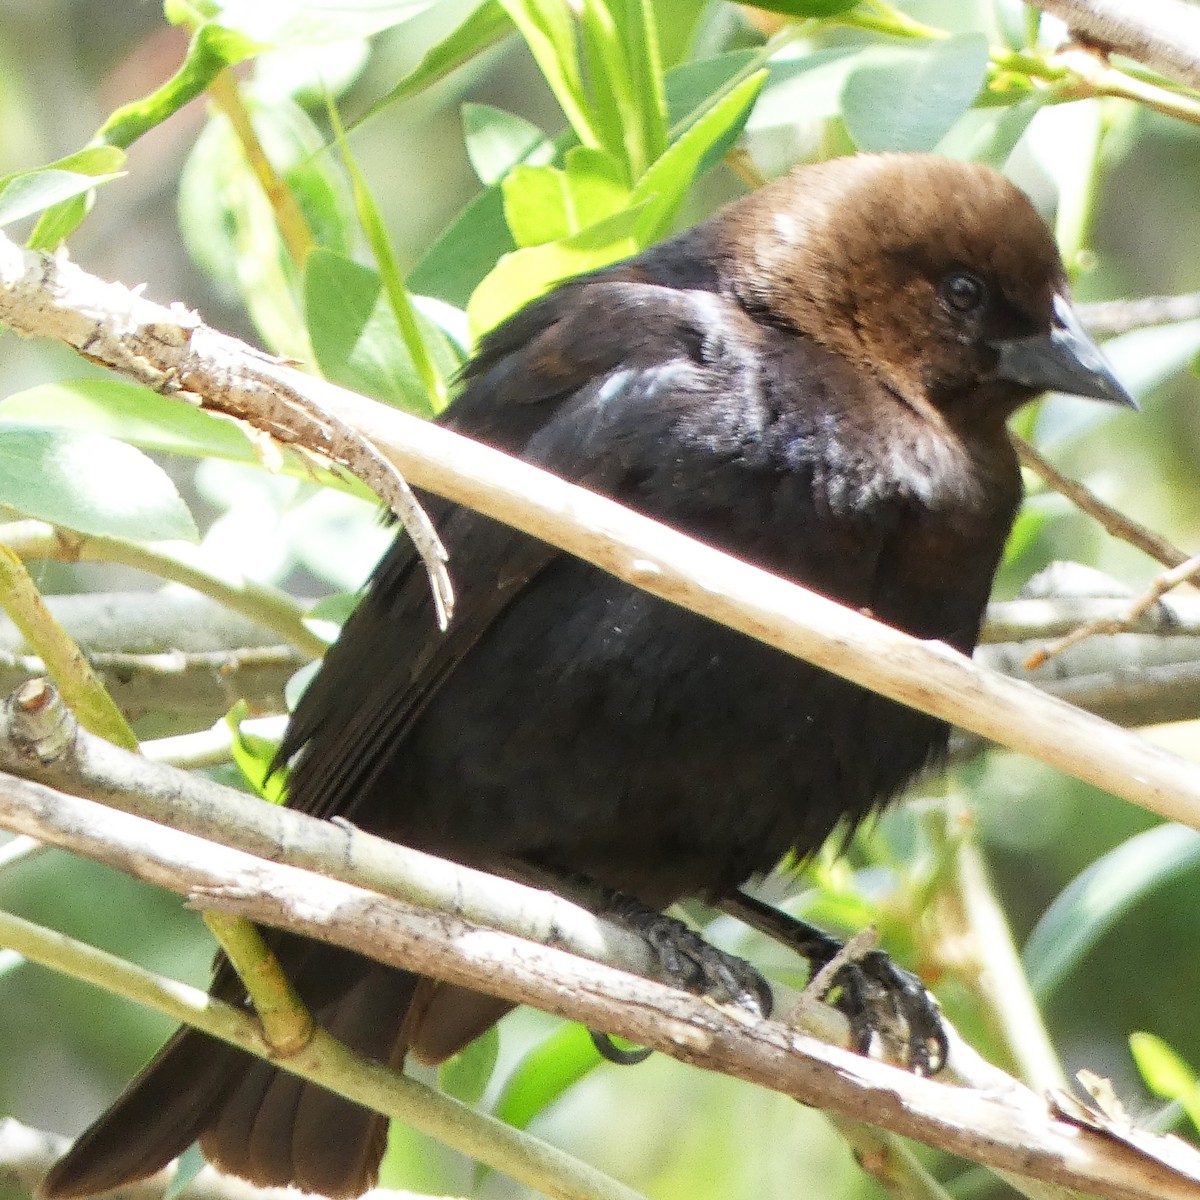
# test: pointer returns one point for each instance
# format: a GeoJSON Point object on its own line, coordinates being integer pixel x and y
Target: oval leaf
{"type": "Point", "coordinates": [90, 484]}
{"type": "Point", "coordinates": [907, 99]}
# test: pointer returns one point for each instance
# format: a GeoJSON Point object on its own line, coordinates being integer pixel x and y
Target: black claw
{"type": "Point", "coordinates": [611, 1052]}
{"type": "Point", "coordinates": [690, 962]}
{"type": "Point", "coordinates": [878, 998]}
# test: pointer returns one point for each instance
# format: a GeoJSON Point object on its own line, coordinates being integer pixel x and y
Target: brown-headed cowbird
{"type": "Point", "coordinates": [817, 379]}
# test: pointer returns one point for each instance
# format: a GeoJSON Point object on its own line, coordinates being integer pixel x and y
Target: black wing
{"type": "Point", "coordinates": [588, 383]}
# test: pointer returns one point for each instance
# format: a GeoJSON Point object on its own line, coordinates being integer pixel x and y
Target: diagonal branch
{"type": "Point", "coordinates": [1163, 34]}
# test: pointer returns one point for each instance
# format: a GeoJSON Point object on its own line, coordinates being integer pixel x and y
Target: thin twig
{"type": "Point", "coordinates": [1114, 522]}
{"type": "Point", "coordinates": [324, 1060]}
{"type": "Point", "coordinates": [266, 606]}
{"type": "Point", "coordinates": [1184, 573]}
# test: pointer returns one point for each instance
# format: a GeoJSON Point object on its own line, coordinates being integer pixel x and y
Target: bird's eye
{"type": "Point", "coordinates": [963, 291]}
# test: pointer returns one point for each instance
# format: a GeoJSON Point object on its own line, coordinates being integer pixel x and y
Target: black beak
{"type": "Point", "coordinates": [1063, 360]}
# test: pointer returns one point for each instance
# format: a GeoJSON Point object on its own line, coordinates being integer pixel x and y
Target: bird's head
{"type": "Point", "coordinates": [937, 276]}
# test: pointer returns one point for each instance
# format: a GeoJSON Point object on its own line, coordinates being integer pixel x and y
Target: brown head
{"type": "Point", "coordinates": [937, 276]}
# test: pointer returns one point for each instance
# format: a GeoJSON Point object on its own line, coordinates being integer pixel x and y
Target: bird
{"type": "Point", "coordinates": [816, 379]}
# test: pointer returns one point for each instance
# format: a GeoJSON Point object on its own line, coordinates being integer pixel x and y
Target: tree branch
{"type": "Point", "coordinates": [1006, 1127]}
{"type": "Point", "coordinates": [1163, 34]}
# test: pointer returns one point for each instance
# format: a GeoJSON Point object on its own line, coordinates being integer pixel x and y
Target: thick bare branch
{"type": "Point", "coordinates": [1163, 34]}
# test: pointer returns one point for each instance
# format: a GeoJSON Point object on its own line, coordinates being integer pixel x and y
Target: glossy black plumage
{"type": "Point", "coordinates": [816, 380]}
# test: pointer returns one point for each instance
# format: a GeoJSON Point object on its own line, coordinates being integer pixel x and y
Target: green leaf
{"type": "Point", "coordinates": [806, 8]}
{"type": "Point", "coordinates": [467, 1074]}
{"type": "Point", "coordinates": [993, 136]}
{"type": "Point", "coordinates": [307, 22]}
{"type": "Point", "coordinates": [526, 274]}
{"type": "Point", "coordinates": [547, 28]}
{"type": "Point", "coordinates": [230, 228]}
{"type": "Point", "coordinates": [486, 25]}
{"type": "Point", "coordinates": [1165, 1073]}
{"type": "Point", "coordinates": [497, 140]}
{"type": "Point", "coordinates": [91, 484]}
{"type": "Point", "coordinates": [619, 41]}
{"type": "Point", "coordinates": [254, 756]}
{"type": "Point", "coordinates": [666, 183]}
{"type": "Point", "coordinates": [811, 85]}
{"type": "Point", "coordinates": [95, 160]}
{"type": "Point", "coordinates": [545, 1073]}
{"type": "Point", "coordinates": [143, 418]}
{"type": "Point", "coordinates": [28, 194]}
{"type": "Point", "coordinates": [639, 30]}
{"type": "Point", "coordinates": [64, 185]}
{"type": "Point", "coordinates": [356, 337]}
{"type": "Point", "coordinates": [129, 412]}
{"type": "Point", "coordinates": [907, 98]}
{"type": "Point", "coordinates": [435, 393]}
{"type": "Point", "coordinates": [457, 262]}
{"type": "Point", "coordinates": [212, 49]}
{"type": "Point", "coordinates": [690, 88]}
{"type": "Point", "coordinates": [1096, 899]}
{"type": "Point", "coordinates": [546, 204]}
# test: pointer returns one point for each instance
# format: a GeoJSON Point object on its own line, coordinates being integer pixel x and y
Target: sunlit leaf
{"type": "Point", "coordinates": [526, 274]}
{"type": "Point", "coordinates": [548, 30]}
{"type": "Point", "coordinates": [89, 483]}
{"type": "Point", "coordinates": [467, 1074]}
{"type": "Point", "coordinates": [546, 204]}
{"type": "Point", "coordinates": [255, 756]}
{"type": "Point", "coordinates": [1165, 1073]}
{"type": "Point", "coordinates": [666, 183]}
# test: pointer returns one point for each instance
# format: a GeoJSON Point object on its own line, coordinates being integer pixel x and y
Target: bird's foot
{"type": "Point", "coordinates": [883, 1003]}
{"type": "Point", "coordinates": [689, 962]}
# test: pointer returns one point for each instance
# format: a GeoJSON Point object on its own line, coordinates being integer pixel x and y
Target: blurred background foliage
{"type": "Point", "coordinates": [476, 153]}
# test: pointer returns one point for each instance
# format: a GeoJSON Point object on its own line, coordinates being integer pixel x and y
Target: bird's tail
{"type": "Point", "coordinates": [252, 1119]}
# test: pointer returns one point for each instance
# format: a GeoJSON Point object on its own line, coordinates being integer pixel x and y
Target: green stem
{"type": "Point", "coordinates": [266, 606]}
{"type": "Point", "coordinates": [65, 663]}
{"type": "Point", "coordinates": [293, 227]}
{"type": "Point", "coordinates": [286, 1022]}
